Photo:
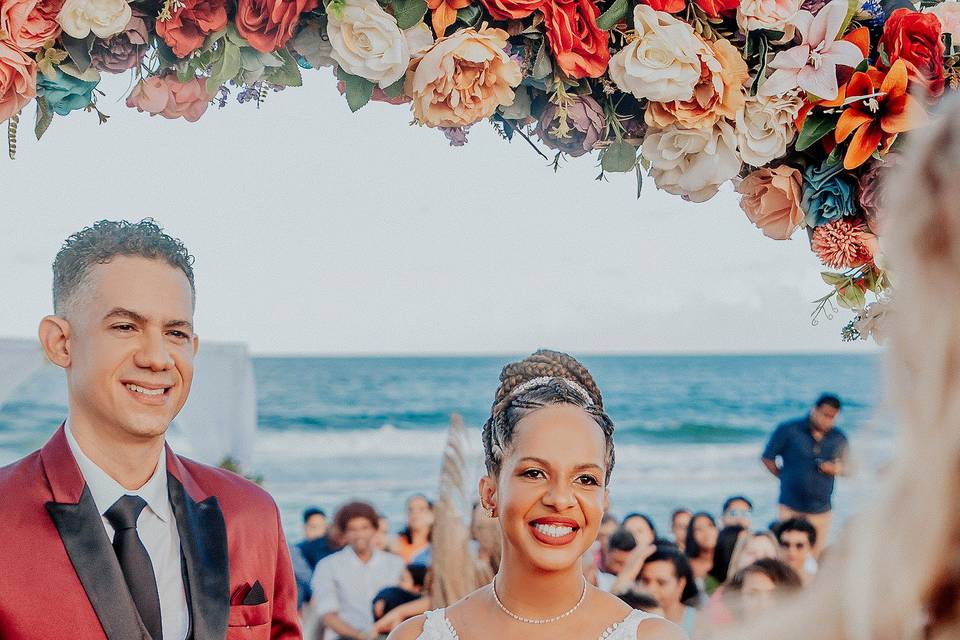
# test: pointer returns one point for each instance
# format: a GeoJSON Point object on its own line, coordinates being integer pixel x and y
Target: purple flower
{"type": "Point", "coordinates": [574, 128]}
{"type": "Point", "coordinates": [124, 50]}
{"type": "Point", "coordinates": [456, 135]}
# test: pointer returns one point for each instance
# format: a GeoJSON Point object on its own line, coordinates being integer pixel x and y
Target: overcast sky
{"type": "Point", "coordinates": [320, 231]}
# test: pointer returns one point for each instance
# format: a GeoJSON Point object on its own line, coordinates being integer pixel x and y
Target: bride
{"type": "Point", "coordinates": [549, 453]}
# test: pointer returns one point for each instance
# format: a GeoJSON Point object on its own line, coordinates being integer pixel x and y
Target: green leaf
{"type": "Point", "coordinates": [542, 67]}
{"type": "Point", "coordinates": [852, 7]}
{"type": "Point", "coordinates": [408, 12]}
{"type": "Point", "coordinates": [79, 50]}
{"type": "Point", "coordinates": [639, 180]}
{"type": "Point", "coordinates": [619, 157]}
{"type": "Point", "coordinates": [851, 297]}
{"type": "Point", "coordinates": [396, 89]}
{"type": "Point", "coordinates": [833, 279]}
{"type": "Point", "coordinates": [358, 90]}
{"type": "Point", "coordinates": [815, 127]}
{"type": "Point", "coordinates": [619, 10]}
{"type": "Point", "coordinates": [226, 68]}
{"type": "Point", "coordinates": [44, 117]}
{"type": "Point", "coordinates": [764, 45]}
{"type": "Point", "coordinates": [469, 15]}
{"type": "Point", "coordinates": [287, 75]}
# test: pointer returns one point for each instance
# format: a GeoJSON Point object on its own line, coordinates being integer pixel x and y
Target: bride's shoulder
{"type": "Point", "coordinates": [648, 627]}
{"type": "Point", "coordinates": [410, 629]}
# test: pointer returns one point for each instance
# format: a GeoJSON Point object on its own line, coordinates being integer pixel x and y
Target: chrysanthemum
{"type": "Point", "coordinates": [844, 243]}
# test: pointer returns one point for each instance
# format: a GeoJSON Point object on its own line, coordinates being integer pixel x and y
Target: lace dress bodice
{"type": "Point", "coordinates": [438, 627]}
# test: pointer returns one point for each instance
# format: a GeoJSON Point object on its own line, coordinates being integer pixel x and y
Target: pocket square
{"type": "Point", "coordinates": [255, 595]}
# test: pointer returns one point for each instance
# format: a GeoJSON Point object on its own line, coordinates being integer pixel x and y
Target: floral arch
{"type": "Point", "coordinates": [801, 103]}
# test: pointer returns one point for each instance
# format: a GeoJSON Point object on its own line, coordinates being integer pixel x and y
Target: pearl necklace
{"type": "Point", "coordinates": [583, 596]}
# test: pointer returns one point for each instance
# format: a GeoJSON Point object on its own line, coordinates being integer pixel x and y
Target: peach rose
{"type": "Point", "coordinates": [170, 98]}
{"type": "Point", "coordinates": [463, 78]}
{"type": "Point", "coordinates": [771, 200]}
{"type": "Point", "coordinates": [719, 93]}
{"type": "Point", "coordinates": [18, 80]}
{"type": "Point", "coordinates": [29, 24]}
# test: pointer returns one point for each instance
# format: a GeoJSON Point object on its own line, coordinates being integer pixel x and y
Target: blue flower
{"type": "Point", "coordinates": [827, 194]}
{"type": "Point", "coordinates": [65, 93]}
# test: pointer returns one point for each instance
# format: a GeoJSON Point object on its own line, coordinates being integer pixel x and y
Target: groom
{"type": "Point", "coordinates": [107, 532]}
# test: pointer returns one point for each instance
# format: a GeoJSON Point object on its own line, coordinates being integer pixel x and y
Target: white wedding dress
{"type": "Point", "coordinates": [438, 627]}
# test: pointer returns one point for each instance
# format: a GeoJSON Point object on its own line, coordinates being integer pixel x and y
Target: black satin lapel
{"type": "Point", "coordinates": [93, 558]}
{"type": "Point", "coordinates": [203, 542]}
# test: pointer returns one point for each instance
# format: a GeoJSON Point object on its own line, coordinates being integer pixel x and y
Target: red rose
{"type": "Point", "coordinates": [714, 8]}
{"type": "Point", "coordinates": [670, 6]}
{"type": "Point", "coordinates": [915, 38]}
{"type": "Point", "coordinates": [268, 24]}
{"type": "Point", "coordinates": [190, 25]}
{"type": "Point", "coordinates": [511, 9]}
{"type": "Point", "coordinates": [578, 45]}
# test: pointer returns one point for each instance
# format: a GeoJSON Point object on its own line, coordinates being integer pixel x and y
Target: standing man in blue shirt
{"type": "Point", "coordinates": [812, 452]}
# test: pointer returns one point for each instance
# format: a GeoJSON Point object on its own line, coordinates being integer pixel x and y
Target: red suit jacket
{"type": "Point", "coordinates": [59, 576]}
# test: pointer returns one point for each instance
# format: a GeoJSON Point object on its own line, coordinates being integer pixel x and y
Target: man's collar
{"type": "Point", "coordinates": [105, 490]}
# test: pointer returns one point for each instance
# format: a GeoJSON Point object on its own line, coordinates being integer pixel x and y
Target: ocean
{"type": "Point", "coordinates": [689, 429]}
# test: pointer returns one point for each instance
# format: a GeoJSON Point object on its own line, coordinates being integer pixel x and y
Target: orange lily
{"type": "Point", "coordinates": [443, 13]}
{"type": "Point", "coordinates": [877, 116]}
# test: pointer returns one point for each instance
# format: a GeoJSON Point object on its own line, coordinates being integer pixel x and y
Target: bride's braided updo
{"type": "Point", "coordinates": [542, 379]}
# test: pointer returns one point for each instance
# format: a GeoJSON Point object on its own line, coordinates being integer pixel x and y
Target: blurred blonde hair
{"type": "Point", "coordinates": [896, 575]}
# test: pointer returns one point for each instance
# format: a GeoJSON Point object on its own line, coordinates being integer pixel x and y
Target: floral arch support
{"type": "Point", "coordinates": [801, 103]}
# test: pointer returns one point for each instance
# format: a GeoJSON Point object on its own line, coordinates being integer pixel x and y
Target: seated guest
{"type": "Point", "coordinates": [409, 589]}
{"type": "Point", "coordinates": [619, 547]}
{"type": "Point", "coordinates": [760, 584]}
{"type": "Point", "coordinates": [679, 522]}
{"type": "Point", "coordinates": [346, 582]}
{"type": "Point", "coordinates": [304, 556]}
{"type": "Point", "coordinates": [608, 525]}
{"type": "Point", "coordinates": [701, 540]}
{"type": "Point", "coordinates": [415, 537]}
{"type": "Point", "coordinates": [642, 601]}
{"type": "Point", "coordinates": [722, 555]}
{"type": "Point", "coordinates": [752, 547]}
{"type": "Point", "coordinates": [798, 539]}
{"type": "Point", "coordinates": [667, 576]}
{"type": "Point", "coordinates": [737, 510]}
{"type": "Point", "coordinates": [642, 528]}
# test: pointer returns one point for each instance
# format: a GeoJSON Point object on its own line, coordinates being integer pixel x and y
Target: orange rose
{"type": "Point", "coordinates": [771, 200]}
{"type": "Point", "coordinates": [170, 98]}
{"type": "Point", "coordinates": [29, 24]}
{"type": "Point", "coordinates": [268, 24]}
{"type": "Point", "coordinates": [510, 9]}
{"type": "Point", "coordinates": [718, 94]}
{"type": "Point", "coordinates": [463, 78]}
{"type": "Point", "coordinates": [190, 25]}
{"type": "Point", "coordinates": [18, 80]}
{"type": "Point", "coordinates": [579, 46]}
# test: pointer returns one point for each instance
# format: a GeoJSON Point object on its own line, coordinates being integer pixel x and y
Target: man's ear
{"type": "Point", "coordinates": [196, 344]}
{"type": "Point", "coordinates": [54, 334]}
{"type": "Point", "coordinates": [606, 500]}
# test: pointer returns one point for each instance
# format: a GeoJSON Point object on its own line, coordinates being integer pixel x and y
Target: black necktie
{"type": "Point", "coordinates": [135, 562]}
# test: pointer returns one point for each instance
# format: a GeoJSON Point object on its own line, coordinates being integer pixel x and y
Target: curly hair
{"type": "Point", "coordinates": [541, 379]}
{"type": "Point", "coordinates": [105, 240]}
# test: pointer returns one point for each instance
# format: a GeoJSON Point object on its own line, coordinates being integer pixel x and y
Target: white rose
{"type": "Point", "coordinates": [367, 42]}
{"type": "Point", "coordinates": [765, 127]}
{"type": "Point", "coordinates": [104, 18]}
{"type": "Point", "coordinates": [663, 62]}
{"type": "Point", "coordinates": [770, 15]}
{"type": "Point", "coordinates": [692, 163]}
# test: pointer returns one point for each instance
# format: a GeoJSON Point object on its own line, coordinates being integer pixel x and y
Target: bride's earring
{"type": "Point", "coordinates": [489, 510]}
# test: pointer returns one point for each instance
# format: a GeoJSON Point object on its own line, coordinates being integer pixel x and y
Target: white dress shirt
{"type": "Point", "coordinates": [343, 584]}
{"type": "Point", "coordinates": [157, 529]}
